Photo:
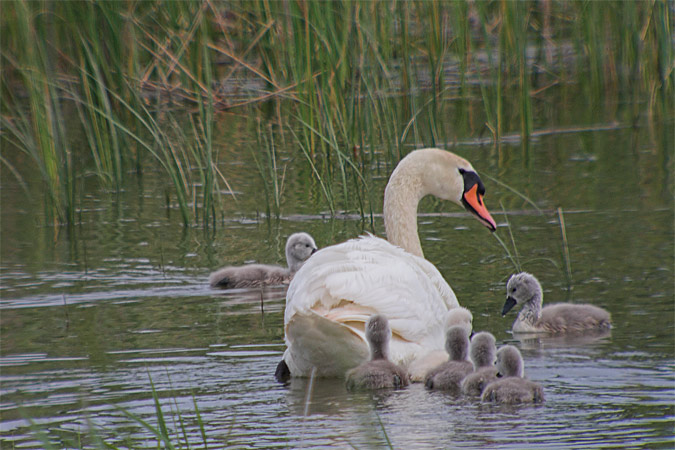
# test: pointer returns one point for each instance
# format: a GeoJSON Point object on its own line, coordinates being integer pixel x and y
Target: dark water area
{"type": "Point", "coordinates": [93, 317]}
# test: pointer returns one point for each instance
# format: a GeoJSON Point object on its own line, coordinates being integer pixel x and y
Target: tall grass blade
{"type": "Point", "coordinates": [384, 431]}
{"type": "Point", "coordinates": [565, 248]}
{"type": "Point", "coordinates": [160, 416]}
{"type": "Point", "coordinates": [200, 422]}
{"type": "Point", "coordinates": [518, 193]}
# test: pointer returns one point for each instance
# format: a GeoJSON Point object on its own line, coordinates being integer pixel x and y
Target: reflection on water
{"type": "Point", "coordinates": [87, 324]}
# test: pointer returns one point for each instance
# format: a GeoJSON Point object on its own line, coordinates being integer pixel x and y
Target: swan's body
{"type": "Point", "coordinates": [333, 294]}
{"type": "Point", "coordinates": [449, 375]}
{"type": "Point", "coordinates": [524, 288]}
{"type": "Point", "coordinates": [482, 352]}
{"type": "Point", "coordinates": [299, 247]}
{"type": "Point", "coordinates": [512, 388]}
{"type": "Point", "coordinates": [379, 372]}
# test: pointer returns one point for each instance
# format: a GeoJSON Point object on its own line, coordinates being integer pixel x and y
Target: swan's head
{"type": "Point", "coordinates": [299, 247]}
{"type": "Point", "coordinates": [509, 362]}
{"type": "Point", "coordinates": [378, 334]}
{"type": "Point", "coordinates": [459, 316]}
{"type": "Point", "coordinates": [482, 349]}
{"type": "Point", "coordinates": [521, 288]}
{"type": "Point", "coordinates": [452, 177]}
{"type": "Point", "coordinates": [457, 343]}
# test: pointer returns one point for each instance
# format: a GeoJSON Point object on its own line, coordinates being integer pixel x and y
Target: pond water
{"type": "Point", "coordinates": [94, 318]}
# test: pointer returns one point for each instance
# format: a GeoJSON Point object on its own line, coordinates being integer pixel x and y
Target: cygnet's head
{"type": "Point", "coordinates": [520, 289]}
{"type": "Point", "coordinates": [457, 343]}
{"type": "Point", "coordinates": [483, 349]}
{"type": "Point", "coordinates": [509, 362]}
{"type": "Point", "coordinates": [378, 334]}
{"type": "Point", "coordinates": [299, 247]}
{"type": "Point", "coordinates": [459, 316]}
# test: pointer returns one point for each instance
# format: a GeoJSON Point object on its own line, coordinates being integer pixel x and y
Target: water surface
{"type": "Point", "coordinates": [93, 317]}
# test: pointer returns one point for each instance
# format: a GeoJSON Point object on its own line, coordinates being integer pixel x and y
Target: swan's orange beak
{"type": "Point", "coordinates": [474, 203]}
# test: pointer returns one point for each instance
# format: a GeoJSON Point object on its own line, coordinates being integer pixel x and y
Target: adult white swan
{"type": "Point", "coordinates": [334, 293]}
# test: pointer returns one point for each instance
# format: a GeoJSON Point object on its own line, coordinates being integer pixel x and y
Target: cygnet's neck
{"type": "Point", "coordinates": [294, 263]}
{"type": "Point", "coordinates": [514, 369]}
{"type": "Point", "coordinates": [379, 350]}
{"type": "Point", "coordinates": [401, 197]}
{"type": "Point", "coordinates": [531, 311]}
{"type": "Point", "coordinates": [458, 352]}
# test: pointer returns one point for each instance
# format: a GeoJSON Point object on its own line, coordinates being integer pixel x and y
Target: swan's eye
{"type": "Point", "coordinates": [461, 171]}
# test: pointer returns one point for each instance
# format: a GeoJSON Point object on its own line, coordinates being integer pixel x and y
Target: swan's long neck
{"type": "Point", "coordinates": [401, 197]}
{"type": "Point", "coordinates": [379, 352]}
{"type": "Point", "coordinates": [423, 172]}
{"type": "Point", "coordinates": [531, 311]}
{"type": "Point", "coordinates": [294, 263]}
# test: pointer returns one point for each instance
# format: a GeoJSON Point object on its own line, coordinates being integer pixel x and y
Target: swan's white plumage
{"type": "Point", "coordinates": [340, 287]}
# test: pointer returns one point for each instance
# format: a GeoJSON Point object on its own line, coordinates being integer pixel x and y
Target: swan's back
{"type": "Point", "coordinates": [377, 374]}
{"type": "Point", "coordinates": [339, 287]}
{"type": "Point", "coordinates": [513, 390]}
{"type": "Point", "coordinates": [252, 275]}
{"type": "Point", "coordinates": [448, 376]}
{"type": "Point", "coordinates": [475, 383]}
{"type": "Point", "coordinates": [570, 318]}
{"type": "Point", "coordinates": [299, 247]}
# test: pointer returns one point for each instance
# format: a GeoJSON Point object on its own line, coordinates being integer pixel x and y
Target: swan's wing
{"type": "Point", "coordinates": [348, 282]}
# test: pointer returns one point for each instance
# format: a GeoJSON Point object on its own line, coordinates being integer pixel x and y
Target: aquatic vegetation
{"type": "Point", "coordinates": [113, 87]}
{"type": "Point", "coordinates": [168, 428]}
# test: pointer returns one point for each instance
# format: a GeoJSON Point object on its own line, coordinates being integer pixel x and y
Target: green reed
{"type": "Point", "coordinates": [352, 82]}
{"type": "Point", "coordinates": [565, 249]}
{"type": "Point", "coordinates": [38, 129]}
{"type": "Point", "coordinates": [266, 161]}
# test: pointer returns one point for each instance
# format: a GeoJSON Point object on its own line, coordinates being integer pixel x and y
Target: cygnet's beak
{"type": "Point", "coordinates": [314, 250]}
{"type": "Point", "coordinates": [508, 305]}
{"type": "Point", "coordinates": [499, 375]}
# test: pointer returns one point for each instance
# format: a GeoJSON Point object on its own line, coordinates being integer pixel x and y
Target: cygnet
{"type": "Point", "coordinates": [379, 372]}
{"type": "Point", "coordinates": [299, 247]}
{"type": "Point", "coordinates": [482, 354]}
{"type": "Point", "coordinates": [511, 387]}
{"type": "Point", "coordinates": [449, 375]}
{"type": "Point", "coordinates": [419, 369]}
{"type": "Point", "coordinates": [524, 288]}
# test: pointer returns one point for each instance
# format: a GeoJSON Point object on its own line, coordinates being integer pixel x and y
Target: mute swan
{"type": "Point", "coordinates": [449, 375]}
{"type": "Point", "coordinates": [379, 372]}
{"type": "Point", "coordinates": [512, 387]}
{"type": "Point", "coordinates": [299, 247]}
{"type": "Point", "coordinates": [334, 293]}
{"type": "Point", "coordinates": [482, 353]}
{"type": "Point", "coordinates": [559, 318]}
